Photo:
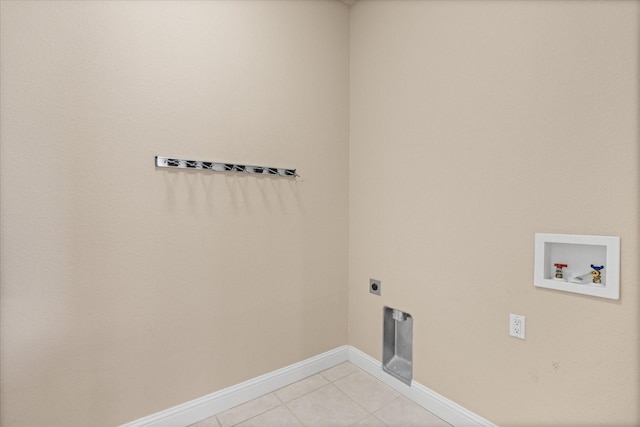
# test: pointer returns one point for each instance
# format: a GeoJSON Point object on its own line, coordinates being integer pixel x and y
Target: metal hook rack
{"type": "Point", "coordinates": [172, 162]}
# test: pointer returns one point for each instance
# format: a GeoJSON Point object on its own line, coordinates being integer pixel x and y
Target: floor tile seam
{"type": "Point", "coordinates": [344, 378]}
{"type": "Point", "coordinates": [260, 414]}
{"type": "Point", "coordinates": [385, 405]}
{"type": "Point", "coordinates": [341, 392]}
{"type": "Point", "coordinates": [256, 415]}
{"type": "Point", "coordinates": [353, 400]}
{"type": "Point", "coordinates": [372, 412]}
{"type": "Point", "coordinates": [411, 401]}
{"type": "Point", "coordinates": [378, 418]}
{"type": "Point", "coordinates": [329, 382]}
{"type": "Point", "coordinates": [298, 396]}
{"type": "Point", "coordinates": [367, 416]}
{"type": "Point", "coordinates": [318, 388]}
{"type": "Point", "coordinates": [348, 375]}
{"type": "Point", "coordinates": [286, 405]}
{"type": "Point", "coordinates": [294, 415]}
{"type": "Point", "coordinates": [339, 378]}
{"type": "Point", "coordinates": [305, 394]}
{"type": "Point", "coordinates": [374, 378]}
{"type": "Point", "coordinates": [282, 402]}
{"type": "Point", "coordinates": [377, 379]}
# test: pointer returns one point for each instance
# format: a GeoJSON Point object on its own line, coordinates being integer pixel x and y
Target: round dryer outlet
{"type": "Point", "coordinates": [375, 286]}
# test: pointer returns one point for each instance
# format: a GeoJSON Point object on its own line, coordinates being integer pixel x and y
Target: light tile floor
{"type": "Point", "coordinates": [341, 396]}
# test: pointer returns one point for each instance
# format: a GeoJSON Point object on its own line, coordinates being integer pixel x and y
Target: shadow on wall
{"type": "Point", "coordinates": [196, 190]}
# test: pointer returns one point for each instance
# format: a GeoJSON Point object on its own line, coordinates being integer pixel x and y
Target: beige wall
{"type": "Point", "coordinates": [475, 125]}
{"type": "Point", "coordinates": [125, 289]}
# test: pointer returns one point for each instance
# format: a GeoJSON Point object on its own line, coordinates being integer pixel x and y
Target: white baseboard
{"type": "Point", "coordinates": [214, 403]}
{"type": "Point", "coordinates": [444, 408]}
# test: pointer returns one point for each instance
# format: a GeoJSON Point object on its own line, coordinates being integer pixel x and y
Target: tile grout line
{"type": "Point", "coordinates": [329, 382]}
{"type": "Point", "coordinates": [332, 382]}
{"type": "Point", "coordinates": [282, 402]}
{"type": "Point", "coordinates": [294, 415]}
{"type": "Point", "coordinates": [383, 384]}
{"type": "Point", "coordinates": [303, 394]}
{"type": "Point", "coordinates": [254, 416]}
{"type": "Point", "coordinates": [285, 404]}
{"type": "Point", "coordinates": [384, 406]}
{"type": "Point", "coordinates": [351, 399]}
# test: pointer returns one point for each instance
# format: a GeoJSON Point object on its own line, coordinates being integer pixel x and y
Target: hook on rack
{"type": "Point", "coordinates": [172, 162]}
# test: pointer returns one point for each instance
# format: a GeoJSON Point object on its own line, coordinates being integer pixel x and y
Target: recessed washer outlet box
{"type": "Point", "coordinates": [583, 264]}
{"type": "Point", "coordinates": [397, 347]}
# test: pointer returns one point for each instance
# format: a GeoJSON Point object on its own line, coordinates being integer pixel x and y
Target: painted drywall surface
{"type": "Point", "coordinates": [473, 126]}
{"type": "Point", "coordinates": [125, 289]}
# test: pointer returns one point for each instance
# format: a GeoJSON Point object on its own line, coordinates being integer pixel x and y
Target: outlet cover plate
{"type": "Point", "coordinates": [516, 326]}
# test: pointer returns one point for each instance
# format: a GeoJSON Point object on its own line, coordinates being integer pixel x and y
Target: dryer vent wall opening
{"type": "Point", "coordinates": [397, 347]}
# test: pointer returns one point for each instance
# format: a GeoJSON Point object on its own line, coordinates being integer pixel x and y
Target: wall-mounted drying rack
{"type": "Point", "coordinates": [172, 162]}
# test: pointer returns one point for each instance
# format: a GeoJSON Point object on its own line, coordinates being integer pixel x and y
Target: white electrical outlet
{"type": "Point", "coordinates": [516, 326]}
